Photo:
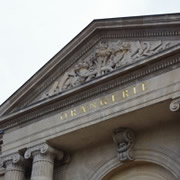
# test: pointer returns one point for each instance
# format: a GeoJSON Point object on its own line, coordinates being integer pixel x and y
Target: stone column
{"type": "Point", "coordinates": [14, 166]}
{"type": "Point", "coordinates": [43, 161]}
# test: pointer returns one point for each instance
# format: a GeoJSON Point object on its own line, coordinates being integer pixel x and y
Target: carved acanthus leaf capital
{"type": "Point", "coordinates": [43, 149]}
{"type": "Point", "coordinates": [175, 105]}
{"type": "Point", "coordinates": [15, 158]}
{"type": "Point", "coordinates": [125, 139]}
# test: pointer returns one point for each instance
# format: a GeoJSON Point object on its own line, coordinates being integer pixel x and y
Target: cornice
{"type": "Point", "coordinates": [92, 89]}
{"type": "Point", "coordinates": [81, 52]}
{"type": "Point", "coordinates": [170, 22]}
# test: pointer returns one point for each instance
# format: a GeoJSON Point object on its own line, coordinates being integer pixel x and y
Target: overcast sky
{"type": "Point", "coordinates": [33, 31]}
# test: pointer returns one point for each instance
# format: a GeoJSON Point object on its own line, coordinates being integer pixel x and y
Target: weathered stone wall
{"type": "Point", "coordinates": [159, 88]}
{"type": "Point", "coordinates": [117, 78]}
{"type": "Point", "coordinates": [159, 146]}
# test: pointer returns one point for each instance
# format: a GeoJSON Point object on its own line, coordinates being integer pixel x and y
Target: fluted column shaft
{"type": "Point", "coordinates": [14, 172]}
{"type": "Point", "coordinates": [43, 161]}
{"type": "Point", "coordinates": [14, 167]}
{"type": "Point", "coordinates": [42, 167]}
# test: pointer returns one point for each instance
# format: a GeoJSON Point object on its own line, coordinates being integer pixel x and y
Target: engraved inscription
{"type": "Point", "coordinates": [104, 101]}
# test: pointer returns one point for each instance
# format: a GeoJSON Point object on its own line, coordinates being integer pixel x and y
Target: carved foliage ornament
{"type": "Point", "coordinates": [105, 58]}
{"type": "Point", "coordinates": [124, 138]}
{"type": "Point", "coordinates": [175, 105]}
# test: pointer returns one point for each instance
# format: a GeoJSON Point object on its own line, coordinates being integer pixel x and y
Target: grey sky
{"type": "Point", "coordinates": [32, 31]}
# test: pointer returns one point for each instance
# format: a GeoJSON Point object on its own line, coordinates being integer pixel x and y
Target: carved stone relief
{"type": "Point", "coordinates": [105, 58]}
{"type": "Point", "coordinates": [124, 138]}
{"type": "Point", "coordinates": [175, 105]}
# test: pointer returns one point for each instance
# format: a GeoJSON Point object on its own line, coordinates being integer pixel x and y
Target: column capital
{"type": "Point", "coordinates": [43, 149]}
{"type": "Point", "coordinates": [43, 157]}
{"type": "Point", "coordinates": [15, 158]}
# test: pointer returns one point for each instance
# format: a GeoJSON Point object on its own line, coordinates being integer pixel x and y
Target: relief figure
{"type": "Point", "coordinates": [105, 58]}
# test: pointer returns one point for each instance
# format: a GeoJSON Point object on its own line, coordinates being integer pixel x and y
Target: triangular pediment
{"type": "Point", "coordinates": [103, 49]}
{"type": "Point", "coordinates": [104, 58]}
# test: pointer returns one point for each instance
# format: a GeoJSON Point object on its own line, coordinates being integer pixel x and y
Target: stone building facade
{"type": "Point", "coordinates": [106, 107]}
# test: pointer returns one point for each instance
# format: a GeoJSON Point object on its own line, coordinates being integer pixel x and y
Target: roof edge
{"type": "Point", "coordinates": [160, 19]}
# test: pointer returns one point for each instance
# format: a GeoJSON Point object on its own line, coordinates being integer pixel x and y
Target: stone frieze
{"type": "Point", "coordinates": [106, 57]}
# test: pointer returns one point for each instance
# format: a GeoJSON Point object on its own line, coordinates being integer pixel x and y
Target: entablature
{"type": "Point", "coordinates": [107, 55]}
{"type": "Point", "coordinates": [101, 86]}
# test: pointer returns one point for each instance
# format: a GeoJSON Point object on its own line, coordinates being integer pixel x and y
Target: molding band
{"type": "Point", "coordinates": [166, 159]}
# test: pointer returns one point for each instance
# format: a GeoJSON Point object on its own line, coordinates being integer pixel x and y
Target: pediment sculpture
{"type": "Point", "coordinates": [105, 58]}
